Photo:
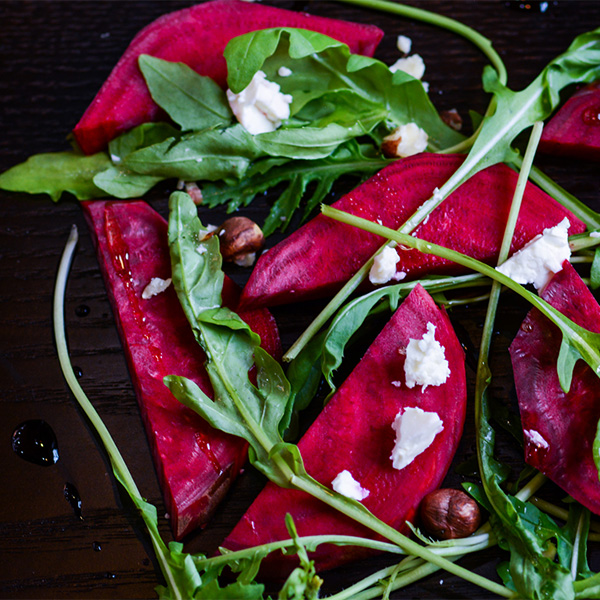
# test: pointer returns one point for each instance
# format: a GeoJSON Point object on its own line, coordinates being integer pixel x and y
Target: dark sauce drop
{"type": "Point", "coordinates": [78, 372]}
{"type": "Point", "coordinates": [83, 310]}
{"type": "Point", "coordinates": [73, 498]}
{"type": "Point", "coordinates": [96, 546]}
{"type": "Point", "coordinates": [36, 442]}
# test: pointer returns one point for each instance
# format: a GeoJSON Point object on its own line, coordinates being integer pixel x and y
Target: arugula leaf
{"type": "Point", "coordinates": [53, 173]}
{"type": "Point", "coordinates": [191, 100]}
{"type": "Point", "coordinates": [326, 68]}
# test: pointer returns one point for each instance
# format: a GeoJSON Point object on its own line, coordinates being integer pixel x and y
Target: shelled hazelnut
{"type": "Point", "coordinates": [448, 513]}
{"type": "Point", "coordinates": [240, 239]}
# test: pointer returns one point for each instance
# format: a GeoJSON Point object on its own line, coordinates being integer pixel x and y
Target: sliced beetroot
{"type": "Point", "coordinates": [575, 129]}
{"type": "Point", "coordinates": [195, 463]}
{"type": "Point", "coordinates": [354, 432]}
{"type": "Point", "coordinates": [317, 259]}
{"type": "Point", "coordinates": [196, 36]}
{"type": "Point", "coordinates": [559, 428]}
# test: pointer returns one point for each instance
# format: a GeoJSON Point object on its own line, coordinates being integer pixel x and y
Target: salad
{"type": "Point", "coordinates": [469, 317]}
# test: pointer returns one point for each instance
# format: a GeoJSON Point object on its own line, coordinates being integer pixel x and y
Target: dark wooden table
{"type": "Point", "coordinates": [53, 58]}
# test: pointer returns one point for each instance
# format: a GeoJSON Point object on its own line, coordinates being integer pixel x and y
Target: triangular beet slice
{"type": "Point", "coordinates": [196, 36]}
{"type": "Point", "coordinates": [319, 257]}
{"type": "Point", "coordinates": [354, 432]}
{"type": "Point", "coordinates": [195, 463]}
{"type": "Point", "coordinates": [575, 129]}
{"type": "Point", "coordinates": [559, 428]}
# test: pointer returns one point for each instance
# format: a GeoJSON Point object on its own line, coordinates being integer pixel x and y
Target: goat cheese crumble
{"type": "Point", "coordinates": [413, 65]}
{"type": "Point", "coordinates": [415, 431]}
{"type": "Point", "coordinates": [260, 107]}
{"type": "Point", "coordinates": [346, 485]}
{"type": "Point", "coordinates": [403, 43]}
{"type": "Point", "coordinates": [408, 139]}
{"type": "Point", "coordinates": [384, 266]}
{"type": "Point", "coordinates": [426, 362]}
{"type": "Point", "coordinates": [156, 286]}
{"type": "Point", "coordinates": [540, 258]}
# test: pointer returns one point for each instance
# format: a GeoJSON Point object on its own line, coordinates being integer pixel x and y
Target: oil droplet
{"type": "Point", "coordinates": [73, 498]}
{"type": "Point", "coordinates": [35, 441]}
{"type": "Point", "coordinates": [82, 310]}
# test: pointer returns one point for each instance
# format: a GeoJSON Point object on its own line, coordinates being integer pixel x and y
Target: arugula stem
{"type": "Point", "coordinates": [119, 467]}
{"type": "Point", "coordinates": [419, 14]}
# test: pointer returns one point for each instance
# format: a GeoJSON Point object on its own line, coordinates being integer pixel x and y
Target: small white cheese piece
{"type": "Point", "coordinates": [284, 72]}
{"type": "Point", "coordinates": [595, 234]}
{"type": "Point", "coordinates": [407, 140]}
{"type": "Point", "coordinates": [156, 286]}
{"type": "Point", "coordinates": [413, 65]}
{"type": "Point", "coordinates": [384, 266]}
{"type": "Point", "coordinates": [536, 438]}
{"type": "Point", "coordinates": [404, 44]}
{"type": "Point", "coordinates": [415, 431]}
{"type": "Point", "coordinates": [346, 485]}
{"type": "Point", "coordinates": [540, 258]}
{"type": "Point", "coordinates": [260, 107]}
{"type": "Point", "coordinates": [426, 362]}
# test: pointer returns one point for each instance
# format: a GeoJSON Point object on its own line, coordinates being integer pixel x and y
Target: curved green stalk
{"type": "Point", "coordinates": [120, 469]}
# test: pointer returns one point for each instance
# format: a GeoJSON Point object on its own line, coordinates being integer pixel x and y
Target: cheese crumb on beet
{"type": "Point", "coordinates": [426, 362]}
{"type": "Point", "coordinates": [540, 258]}
{"type": "Point", "coordinates": [384, 266]}
{"type": "Point", "coordinates": [156, 286]}
{"type": "Point", "coordinates": [415, 431]}
{"type": "Point", "coordinates": [346, 485]}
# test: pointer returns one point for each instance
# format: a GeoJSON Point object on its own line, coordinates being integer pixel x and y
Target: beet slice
{"type": "Point", "coordinates": [559, 428]}
{"type": "Point", "coordinates": [195, 463]}
{"type": "Point", "coordinates": [575, 129]}
{"type": "Point", "coordinates": [196, 36]}
{"type": "Point", "coordinates": [318, 258]}
{"type": "Point", "coordinates": [354, 433]}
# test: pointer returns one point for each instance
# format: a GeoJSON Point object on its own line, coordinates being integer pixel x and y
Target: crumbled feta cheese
{"type": "Point", "coordinates": [413, 65]}
{"type": "Point", "coordinates": [260, 107]}
{"type": "Point", "coordinates": [407, 140]}
{"type": "Point", "coordinates": [284, 72]}
{"type": "Point", "coordinates": [384, 266]}
{"type": "Point", "coordinates": [346, 485]}
{"type": "Point", "coordinates": [404, 44]}
{"type": "Point", "coordinates": [536, 438]}
{"type": "Point", "coordinates": [156, 286]}
{"type": "Point", "coordinates": [426, 362]}
{"type": "Point", "coordinates": [540, 258]}
{"type": "Point", "coordinates": [397, 383]}
{"type": "Point", "coordinates": [595, 234]}
{"type": "Point", "coordinates": [415, 431]}
{"type": "Point", "coordinates": [399, 276]}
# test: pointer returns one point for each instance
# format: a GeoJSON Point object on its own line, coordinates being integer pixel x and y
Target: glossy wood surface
{"type": "Point", "coordinates": [53, 58]}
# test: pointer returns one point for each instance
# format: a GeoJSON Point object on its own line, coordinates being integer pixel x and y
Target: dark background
{"type": "Point", "coordinates": [54, 56]}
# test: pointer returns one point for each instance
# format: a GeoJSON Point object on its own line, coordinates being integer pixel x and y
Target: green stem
{"type": "Point", "coordinates": [483, 43]}
{"type": "Point", "coordinates": [118, 464]}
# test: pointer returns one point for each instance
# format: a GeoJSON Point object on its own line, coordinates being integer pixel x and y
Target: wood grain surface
{"type": "Point", "coordinates": [54, 56]}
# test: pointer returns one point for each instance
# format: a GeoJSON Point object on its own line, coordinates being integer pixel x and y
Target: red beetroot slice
{"type": "Point", "coordinates": [195, 463]}
{"type": "Point", "coordinates": [354, 432]}
{"type": "Point", "coordinates": [575, 129]}
{"type": "Point", "coordinates": [559, 428]}
{"type": "Point", "coordinates": [317, 259]}
{"type": "Point", "coordinates": [196, 36]}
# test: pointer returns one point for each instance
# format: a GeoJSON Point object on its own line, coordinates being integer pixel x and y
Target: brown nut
{"type": "Point", "coordinates": [448, 513]}
{"type": "Point", "coordinates": [452, 119]}
{"type": "Point", "coordinates": [240, 238]}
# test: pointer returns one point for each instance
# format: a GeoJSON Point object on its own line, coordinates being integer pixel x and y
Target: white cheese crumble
{"type": "Point", "coordinates": [415, 431]}
{"type": "Point", "coordinates": [156, 286]}
{"type": "Point", "coordinates": [284, 72]}
{"type": "Point", "coordinates": [595, 234]}
{"type": "Point", "coordinates": [260, 107]}
{"type": "Point", "coordinates": [536, 438]}
{"type": "Point", "coordinates": [426, 362]}
{"type": "Point", "coordinates": [384, 266]}
{"type": "Point", "coordinates": [410, 138]}
{"type": "Point", "coordinates": [413, 65]}
{"type": "Point", "coordinates": [540, 258]}
{"type": "Point", "coordinates": [404, 44]}
{"type": "Point", "coordinates": [346, 485]}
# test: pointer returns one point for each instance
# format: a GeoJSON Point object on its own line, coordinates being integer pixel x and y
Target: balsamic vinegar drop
{"type": "Point", "coordinates": [35, 441]}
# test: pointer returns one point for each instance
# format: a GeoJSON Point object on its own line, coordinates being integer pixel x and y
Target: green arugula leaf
{"type": "Point", "coordinates": [193, 101]}
{"type": "Point", "coordinates": [54, 173]}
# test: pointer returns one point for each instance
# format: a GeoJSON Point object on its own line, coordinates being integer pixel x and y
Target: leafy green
{"type": "Point", "coordinates": [193, 101]}
{"type": "Point", "coordinates": [54, 173]}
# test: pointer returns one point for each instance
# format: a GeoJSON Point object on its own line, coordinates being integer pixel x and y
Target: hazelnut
{"type": "Point", "coordinates": [448, 513]}
{"type": "Point", "coordinates": [452, 119]}
{"type": "Point", "coordinates": [240, 239]}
